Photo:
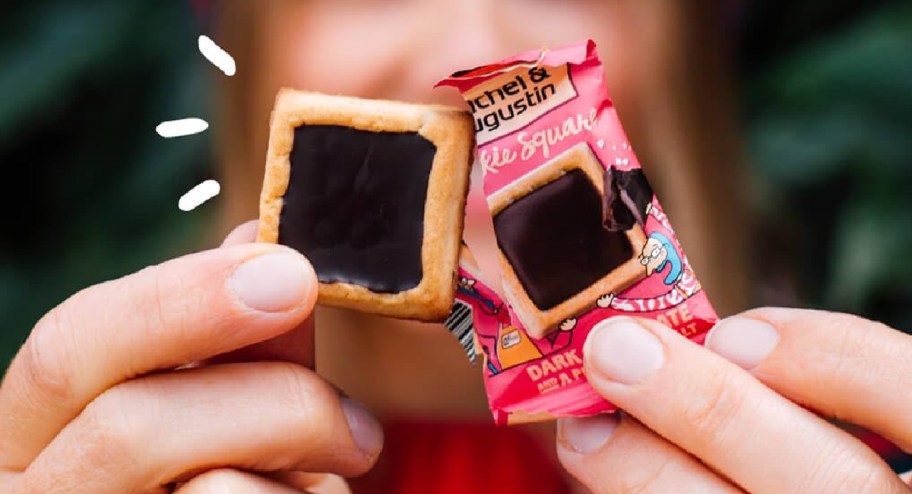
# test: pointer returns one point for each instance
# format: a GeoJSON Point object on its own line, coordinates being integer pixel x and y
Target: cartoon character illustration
{"type": "Point", "coordinates": [508, 346]}
{"type": "Point", "coordinates": [660, 254]}
{"type": "Point", "coordinates": [568, 324]}
{"type": "Point", "coordinates": [498, 337]}
{"type": "Point", "coordinates": [466, 286]}
{"type": "Point", "coordinates": [556, 341]}
{"type": "Point", "coordinates": [604, 301]}
{"type": "Point", "coordinates": [489, 362]}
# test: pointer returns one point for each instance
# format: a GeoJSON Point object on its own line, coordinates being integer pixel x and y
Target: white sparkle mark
{"type": "Point", "coordinates": [601, 143]}
{"type": "Point", "coordinates": [215, 54]}
{"type": "Point", "coordinates": [181, 128]}
{"type": "Point", "coordinates": [198, 195]}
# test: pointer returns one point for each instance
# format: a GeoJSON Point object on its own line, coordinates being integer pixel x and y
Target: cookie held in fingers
{"type": "Point", "coordinates": [373, 193]}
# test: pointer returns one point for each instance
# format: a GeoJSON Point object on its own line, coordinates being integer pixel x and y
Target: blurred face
{"type": "Point", "coordinates": [398, 49]}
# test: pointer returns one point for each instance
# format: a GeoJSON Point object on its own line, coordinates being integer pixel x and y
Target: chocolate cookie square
{"type": "Point", "coordinates": [373, 193]}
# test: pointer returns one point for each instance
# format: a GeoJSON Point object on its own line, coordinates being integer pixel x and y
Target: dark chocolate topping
{"type": "Point", "coordinates": [627, 195]}
{"type": "Point", "coordinates": [355, 205]}
{"type": "Point", "coordinates": [555, 241]}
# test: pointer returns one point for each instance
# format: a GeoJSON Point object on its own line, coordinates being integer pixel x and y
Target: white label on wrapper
{"type": "Point", "coordinates": [507, 103]}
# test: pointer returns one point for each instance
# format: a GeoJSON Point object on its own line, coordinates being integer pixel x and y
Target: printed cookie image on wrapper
{"type": "Point", "coordinates": [580, 234]}
{"type": "Point", "coordinates": [373, 193]}
{"type": "Point", "coordinates": [552, 277]}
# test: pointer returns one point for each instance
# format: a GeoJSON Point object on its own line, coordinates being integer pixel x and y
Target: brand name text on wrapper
{"type": "Point", "coordinates": [512, 101]}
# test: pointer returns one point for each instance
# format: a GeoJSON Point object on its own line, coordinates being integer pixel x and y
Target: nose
{"type": "Point", "coordinates": [455, 35]}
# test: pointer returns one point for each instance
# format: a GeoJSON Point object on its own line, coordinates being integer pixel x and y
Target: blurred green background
{"type": "Point", "coordinates": [91, 191]}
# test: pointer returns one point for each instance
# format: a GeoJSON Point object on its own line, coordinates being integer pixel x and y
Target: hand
{"type": "Point", "coordinates": [731, 417]}
{"type": "Point", "coordinates": [180, 377]}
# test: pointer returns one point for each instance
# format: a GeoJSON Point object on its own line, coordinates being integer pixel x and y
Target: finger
{"type": "Point", "coordinates": [244, 233]}
{"type": "Point", "coordinates": [295, 346]}
{"type": "Point", "coordinates": [615, 454]}
{"type": "Point", "coordinates": [719, 413]}
{"type": "Point", "coordinates": [233, 482]}
{"type": "Point", "coordinates": [156, 430]}
{"type": "Point", "coordinates": [181, 311]}
{"type": "Point", "coordinates": [840, 365]}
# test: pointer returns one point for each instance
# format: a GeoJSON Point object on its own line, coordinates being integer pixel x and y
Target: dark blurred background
{"type": "Point", "coordinates": [90, 190]}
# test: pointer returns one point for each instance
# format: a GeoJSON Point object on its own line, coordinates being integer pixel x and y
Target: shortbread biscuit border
{"type": "Point", "coordinates": [539, 323]}
{"type": "Point", "coordinates": [452, 132]}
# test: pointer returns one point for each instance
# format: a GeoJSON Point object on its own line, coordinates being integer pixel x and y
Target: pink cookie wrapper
{"type": "Point", "coordinates": [530, 110]}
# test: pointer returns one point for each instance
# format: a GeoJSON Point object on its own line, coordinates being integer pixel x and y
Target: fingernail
{"type": "Point", "coordinates": [746, 342]}
{"type": "Point", "coordinates": [365, 429]}
{"type": "Point", "coordinates": [273, 282]}
{"type": "Point", "coordinates": [586, 435]}
{"type": "Point", "coordinates": [621, 350]}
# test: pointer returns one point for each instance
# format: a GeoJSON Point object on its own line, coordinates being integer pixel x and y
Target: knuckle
{"type": "Point", "coordinates": [111, 429]}
{"type": "Point", "coordinates": [301, 388]}
{"type": "Point", "coordinates": [297, 384]}
{"type": "Point", "coordinates": [847, 330]}
{"type": "Point", "coordinates": [868, 480]}
{"type": "Point", "coordinates": [160, 314]}
{"type": "Point", "coordinates": [48, 354]}
{"type": "Point", "coordinates": [841, 356]}
{"type": "Point", "coordinates": [847, 349]}
{"type": "Point", "coordinates": [303, 392]}
{"type": "Point", "coordinates": [711, 410]}
{"type": "Point", "coordinates": [846, 470]}
{"type": "Point", "coordinates": [161, 300]}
